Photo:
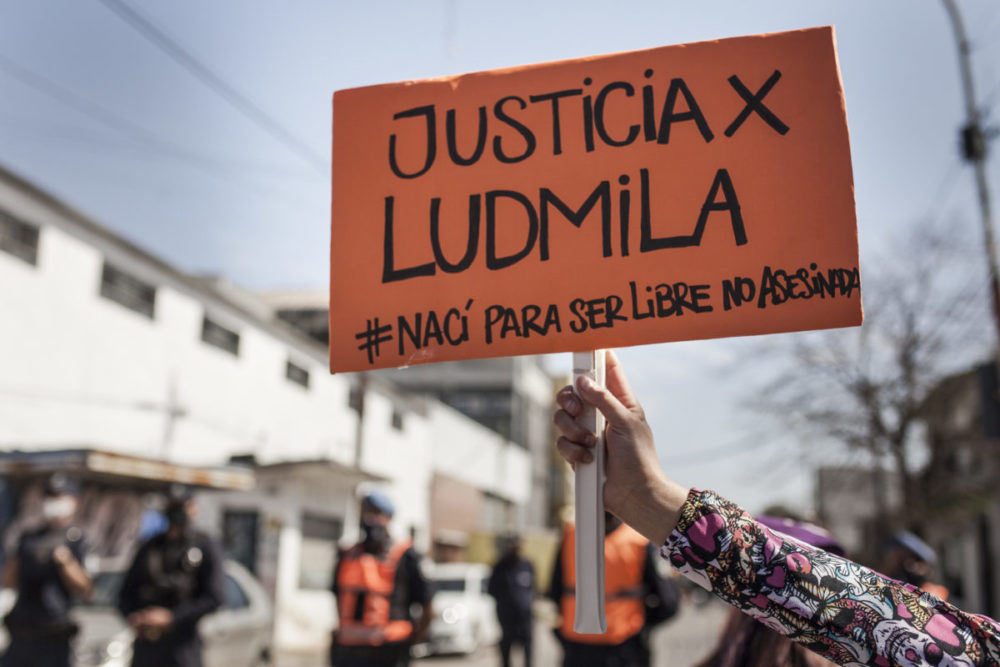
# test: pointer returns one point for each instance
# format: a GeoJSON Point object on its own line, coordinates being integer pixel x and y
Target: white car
{"type": "Point", "coordinates": [465, 616]}
{"type": "Point", "coordinates": [7, 599]}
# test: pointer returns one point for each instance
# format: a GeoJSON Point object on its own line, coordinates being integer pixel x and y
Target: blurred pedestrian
{"type": "Point", "coordinates": [909, 559]}
{"type": "Point", "coordinates": [839, 609]}
{"type": "Point", "coordinates": [637, 598]}
{"type": "Point", "coordinates": [47, 572]}
{"type": "Point", "coordinates": [512, 584]}
{"type": "Point", "coordinates": [174, 580]}
{"type": "Point", "coordinates": [376, 583]}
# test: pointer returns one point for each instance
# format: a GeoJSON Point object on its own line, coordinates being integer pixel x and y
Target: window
{"type": "Point", "coordinates": [314, 322]}
{"type": "Point", "coordinates": [397, 419]}
{"type": "Point", "coordinates": [18, 238]}
{"type": "Point", "coordinates": [297, 374]}
{"type": "Point", "coordinates": [449, 585]}
{"type": "Point", "coordinates": [215, 334]}
{"type": "Point", "coordinates": [233, 595]}
{"type": "Point", "coordinates": [319, 550]}
{"type": "Point", "coordinates": [239, 537]}
{"type": "Point", "coordinates": [128, 291]}
{"type": "Point", "coordinates": [495, 512]}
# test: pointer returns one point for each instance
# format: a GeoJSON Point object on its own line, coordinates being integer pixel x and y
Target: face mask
{"type": "Point", "coordinates": [376, 536]}
{"type": "Point", "coordinates": [54, 509]}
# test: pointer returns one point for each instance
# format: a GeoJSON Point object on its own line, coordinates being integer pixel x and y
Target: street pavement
{"type": "Point", "coordinates": [681, 642]}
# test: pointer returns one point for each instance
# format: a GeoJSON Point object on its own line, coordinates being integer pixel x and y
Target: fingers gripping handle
{"type": "Point", "coordinates": [589, 502]}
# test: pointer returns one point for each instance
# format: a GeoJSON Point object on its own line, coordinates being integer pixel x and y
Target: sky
{"type": "Point", "coordinates": [96, 113]}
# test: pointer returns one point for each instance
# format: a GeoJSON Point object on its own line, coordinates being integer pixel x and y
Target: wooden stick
{"type": "Point", "coordinates": [589, 505]}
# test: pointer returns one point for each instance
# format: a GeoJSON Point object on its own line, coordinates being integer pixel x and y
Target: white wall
{"type": "Point", "coordinates": [403, 457]}
{"type": "Point", "coordinates": [465, 450]}
{"type": "Point", "coordinates": [79, 369]}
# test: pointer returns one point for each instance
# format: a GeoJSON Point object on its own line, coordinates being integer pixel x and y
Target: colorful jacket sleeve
{"type": "Point", "coordinates": [847, 613]}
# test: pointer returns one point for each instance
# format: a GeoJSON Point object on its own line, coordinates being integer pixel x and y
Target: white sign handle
{"type": "Point", "coordinates": [589, 503]}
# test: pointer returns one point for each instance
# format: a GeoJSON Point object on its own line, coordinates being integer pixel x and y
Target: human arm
{"type": "Point", "coordinates": [860, 616]}
{"type": "Point", "coordinates": [208, 594]}
{"type": "Point", "coordinates": [146, 620]}
{"type": "Point", "coordinates": [845, 612]}
{"type": "Point", "coordinates": [44, 555]}
{"type": "Point", "coordinates": [72, 572]}
{"type": "Point", "coordinates": [636, 490]}
{"type": "Point", "coordinates": [143, 619]}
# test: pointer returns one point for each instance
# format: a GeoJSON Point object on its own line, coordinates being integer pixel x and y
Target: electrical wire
{"type": "Point", "coordinates": [142, 138]}
{"type": "Point", "coordinates": [986, 107]}
{"type": "Point", "coordinates": [990, 100]}
{"type": "Point", "coordinates": [215, 82]}
{"type": "Point", "coordinates": [945, 189]}
{"type": "Point", "coordinates": [81, 104]}
{"type": "Point", "coordinates": [266, 192]}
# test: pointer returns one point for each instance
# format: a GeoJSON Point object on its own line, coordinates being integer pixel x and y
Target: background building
{"type": "Point", "coordinates": [511, 396]}
{"type": "Point", "coordinates": [957, 505]}
{"type": "Point", "coordinates": [854, 503]}
{"type": "Point", "coordinates": [106, 348]}
{"type": "Point", "coordinates": [961, 512]}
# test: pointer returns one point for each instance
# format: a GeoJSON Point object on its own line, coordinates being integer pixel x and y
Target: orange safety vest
{"type": "Point", "coordinates": [936, 590]}
{"type": "Point", "coordinates": [624, 559]}
{"type": "Point", "coordinates": [366, 583]}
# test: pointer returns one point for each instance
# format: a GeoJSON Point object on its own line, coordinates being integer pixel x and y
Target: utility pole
{"type": "Point", "coordinates": [974, 151]}
{"type": "Point", "coordinates": [359, 391]}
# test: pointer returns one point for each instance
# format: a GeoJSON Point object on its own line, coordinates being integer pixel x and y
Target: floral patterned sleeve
{"type": "Point", "coordinates": [847, 613]}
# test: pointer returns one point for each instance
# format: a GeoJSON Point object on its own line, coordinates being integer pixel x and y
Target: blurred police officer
{"type": "Point", "coordinates": [909, 559]}
{"type": "Point", "coordinates": [512, 583]}
{"type": "Point", "coordinates": [174, 580]}
{"type": "Point", "coordinates": [47, 572]}
{"type": "Point", "coordinates": [377, 582]}
{"type": "Point", "coordinates": [637, 597]}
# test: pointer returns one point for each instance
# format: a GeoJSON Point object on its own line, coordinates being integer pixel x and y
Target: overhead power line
{"type": "Point", "coordinates": [990, 99]}
{"type": "Point", "coordinates": [144, 139]}
{"type": "Point", "coordinates": [215, 82]}
{"type": "Point", "coordinates": [81, 104]}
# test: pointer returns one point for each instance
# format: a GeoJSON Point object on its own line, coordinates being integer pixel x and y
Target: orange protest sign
{"type": "Point", "coordinates": [676, 193]}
